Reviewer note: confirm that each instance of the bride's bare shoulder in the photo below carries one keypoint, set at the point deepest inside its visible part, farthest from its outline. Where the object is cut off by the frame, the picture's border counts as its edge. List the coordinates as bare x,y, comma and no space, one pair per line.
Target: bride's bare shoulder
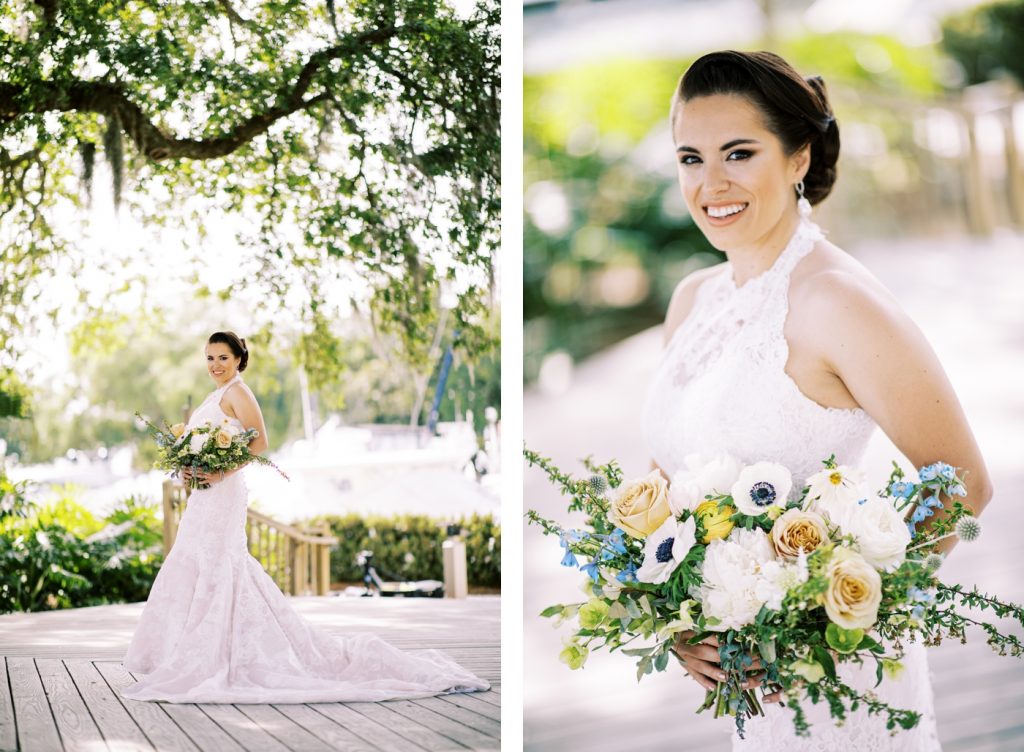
683,297
829,288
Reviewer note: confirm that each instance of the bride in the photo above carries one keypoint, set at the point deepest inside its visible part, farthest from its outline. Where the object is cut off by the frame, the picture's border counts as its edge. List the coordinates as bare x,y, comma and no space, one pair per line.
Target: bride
217,629
791,350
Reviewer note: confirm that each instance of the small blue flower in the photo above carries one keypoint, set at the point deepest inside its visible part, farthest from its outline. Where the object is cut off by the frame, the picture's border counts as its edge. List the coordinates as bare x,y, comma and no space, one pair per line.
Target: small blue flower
910,527
920,514
628,574
901,489
617,542
932,502
947,471
929,472
918,612
565,539
958,490
591,569
569,560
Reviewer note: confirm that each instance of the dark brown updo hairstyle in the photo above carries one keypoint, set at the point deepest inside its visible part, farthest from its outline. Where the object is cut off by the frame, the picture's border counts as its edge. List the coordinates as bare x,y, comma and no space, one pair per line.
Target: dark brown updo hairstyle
795,109
235,343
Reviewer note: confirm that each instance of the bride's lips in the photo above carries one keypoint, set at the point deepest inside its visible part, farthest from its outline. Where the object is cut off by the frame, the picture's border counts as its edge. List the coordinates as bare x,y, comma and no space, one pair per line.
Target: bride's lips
728,220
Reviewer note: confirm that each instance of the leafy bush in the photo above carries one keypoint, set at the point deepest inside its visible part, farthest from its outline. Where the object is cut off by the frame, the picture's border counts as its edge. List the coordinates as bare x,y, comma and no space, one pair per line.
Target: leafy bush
986,41
408,547
62,556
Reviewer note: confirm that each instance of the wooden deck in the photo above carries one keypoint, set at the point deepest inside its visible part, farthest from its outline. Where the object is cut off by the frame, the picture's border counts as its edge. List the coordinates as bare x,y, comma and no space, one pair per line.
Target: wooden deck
60,672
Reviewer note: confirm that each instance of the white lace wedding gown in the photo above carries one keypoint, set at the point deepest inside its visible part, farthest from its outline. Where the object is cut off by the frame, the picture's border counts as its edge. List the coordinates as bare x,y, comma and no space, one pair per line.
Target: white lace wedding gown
722,386
217,629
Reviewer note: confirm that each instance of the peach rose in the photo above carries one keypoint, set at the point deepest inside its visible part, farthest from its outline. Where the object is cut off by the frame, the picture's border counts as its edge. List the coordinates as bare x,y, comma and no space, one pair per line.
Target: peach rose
796,530
854,590
641,506
223,439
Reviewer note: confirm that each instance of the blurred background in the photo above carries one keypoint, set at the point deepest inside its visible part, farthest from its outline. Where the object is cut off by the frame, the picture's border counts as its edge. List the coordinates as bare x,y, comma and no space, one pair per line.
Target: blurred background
930,197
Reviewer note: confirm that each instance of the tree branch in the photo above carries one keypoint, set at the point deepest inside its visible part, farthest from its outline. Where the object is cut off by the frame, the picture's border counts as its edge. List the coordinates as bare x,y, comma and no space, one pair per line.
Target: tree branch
153,142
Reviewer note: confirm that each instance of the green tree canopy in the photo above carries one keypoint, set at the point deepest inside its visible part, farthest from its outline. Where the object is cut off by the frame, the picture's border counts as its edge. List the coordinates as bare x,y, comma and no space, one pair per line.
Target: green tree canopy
358,139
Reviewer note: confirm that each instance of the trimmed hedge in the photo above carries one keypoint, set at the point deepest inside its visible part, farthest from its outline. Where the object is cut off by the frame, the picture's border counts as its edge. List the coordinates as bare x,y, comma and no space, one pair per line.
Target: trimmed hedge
408,547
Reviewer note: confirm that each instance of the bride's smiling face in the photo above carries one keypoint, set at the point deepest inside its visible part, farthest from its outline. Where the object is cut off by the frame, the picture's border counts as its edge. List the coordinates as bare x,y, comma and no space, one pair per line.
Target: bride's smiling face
221,363
734,174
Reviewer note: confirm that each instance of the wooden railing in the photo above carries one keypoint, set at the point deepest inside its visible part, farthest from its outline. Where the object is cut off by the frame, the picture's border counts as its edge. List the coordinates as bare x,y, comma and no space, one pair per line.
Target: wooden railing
298,560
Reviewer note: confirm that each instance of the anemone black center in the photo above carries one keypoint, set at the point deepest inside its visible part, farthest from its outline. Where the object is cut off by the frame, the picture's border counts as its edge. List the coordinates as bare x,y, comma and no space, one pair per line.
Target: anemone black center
762,493
664,552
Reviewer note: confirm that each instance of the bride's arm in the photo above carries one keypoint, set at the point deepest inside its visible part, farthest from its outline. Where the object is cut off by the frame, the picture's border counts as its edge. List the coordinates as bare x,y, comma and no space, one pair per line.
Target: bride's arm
243,405
868,341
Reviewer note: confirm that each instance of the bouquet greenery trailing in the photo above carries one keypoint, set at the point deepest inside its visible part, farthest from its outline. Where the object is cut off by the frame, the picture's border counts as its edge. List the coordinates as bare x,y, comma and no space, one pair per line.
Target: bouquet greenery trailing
207,447
803,579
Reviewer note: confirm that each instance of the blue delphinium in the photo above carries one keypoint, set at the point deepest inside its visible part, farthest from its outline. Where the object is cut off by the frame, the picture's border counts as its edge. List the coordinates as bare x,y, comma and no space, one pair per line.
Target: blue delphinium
628,574
565,539
901,489
591,570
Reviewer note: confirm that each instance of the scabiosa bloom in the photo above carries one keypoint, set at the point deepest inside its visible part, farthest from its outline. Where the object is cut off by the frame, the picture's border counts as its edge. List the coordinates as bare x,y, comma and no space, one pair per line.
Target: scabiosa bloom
665,548
760,486
968,528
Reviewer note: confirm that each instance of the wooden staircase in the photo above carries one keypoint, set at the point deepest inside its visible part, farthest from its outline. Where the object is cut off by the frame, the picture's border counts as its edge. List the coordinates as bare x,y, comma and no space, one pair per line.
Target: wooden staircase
299,560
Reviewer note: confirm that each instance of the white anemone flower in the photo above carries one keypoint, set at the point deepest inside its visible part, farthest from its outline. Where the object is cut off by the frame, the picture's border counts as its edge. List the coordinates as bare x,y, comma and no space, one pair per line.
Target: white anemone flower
761,486
701,477
665,548
833,490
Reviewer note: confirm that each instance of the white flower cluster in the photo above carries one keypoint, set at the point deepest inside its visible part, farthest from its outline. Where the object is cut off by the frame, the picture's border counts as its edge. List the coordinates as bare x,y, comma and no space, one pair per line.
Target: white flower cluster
741,574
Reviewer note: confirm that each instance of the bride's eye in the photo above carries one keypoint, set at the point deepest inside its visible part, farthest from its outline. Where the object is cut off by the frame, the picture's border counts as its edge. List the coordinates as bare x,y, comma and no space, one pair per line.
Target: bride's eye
689,159
740,154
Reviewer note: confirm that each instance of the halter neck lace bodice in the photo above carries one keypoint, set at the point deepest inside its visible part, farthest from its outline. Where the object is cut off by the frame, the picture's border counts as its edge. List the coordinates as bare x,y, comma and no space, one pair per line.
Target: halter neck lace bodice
722,386
210,411
722,383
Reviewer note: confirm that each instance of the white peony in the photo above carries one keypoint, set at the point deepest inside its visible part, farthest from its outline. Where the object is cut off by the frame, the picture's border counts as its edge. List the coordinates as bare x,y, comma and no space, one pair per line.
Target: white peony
700,478
665,548
761,486
197,442
832,491
880,531
736,584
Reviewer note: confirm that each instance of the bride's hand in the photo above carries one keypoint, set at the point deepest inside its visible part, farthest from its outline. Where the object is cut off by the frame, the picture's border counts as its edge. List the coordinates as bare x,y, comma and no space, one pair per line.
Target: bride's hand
702,662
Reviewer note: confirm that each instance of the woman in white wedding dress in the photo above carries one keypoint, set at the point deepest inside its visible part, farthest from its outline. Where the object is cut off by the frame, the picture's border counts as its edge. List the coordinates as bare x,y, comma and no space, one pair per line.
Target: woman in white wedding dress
791,350
216,629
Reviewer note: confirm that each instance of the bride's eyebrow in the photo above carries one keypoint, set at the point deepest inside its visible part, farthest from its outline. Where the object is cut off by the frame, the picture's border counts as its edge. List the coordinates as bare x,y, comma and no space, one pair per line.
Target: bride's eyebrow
723,147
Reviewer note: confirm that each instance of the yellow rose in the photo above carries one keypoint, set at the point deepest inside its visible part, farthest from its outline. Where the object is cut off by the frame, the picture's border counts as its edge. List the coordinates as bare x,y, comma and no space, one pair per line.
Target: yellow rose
641,506
796,530
177,430
715,520
854,590
223,439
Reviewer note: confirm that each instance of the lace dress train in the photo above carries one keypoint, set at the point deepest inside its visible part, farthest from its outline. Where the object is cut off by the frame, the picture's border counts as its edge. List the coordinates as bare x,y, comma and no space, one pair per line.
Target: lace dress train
216,628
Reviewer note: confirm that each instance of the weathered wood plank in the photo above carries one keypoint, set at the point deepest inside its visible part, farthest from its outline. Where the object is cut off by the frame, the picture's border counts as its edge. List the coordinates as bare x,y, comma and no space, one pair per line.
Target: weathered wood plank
158,727
382,736
325,729
114,722
203,732
475,703
37,729
386,715
77,729
467,717
284,728
490,696
241,728
448,723
8,727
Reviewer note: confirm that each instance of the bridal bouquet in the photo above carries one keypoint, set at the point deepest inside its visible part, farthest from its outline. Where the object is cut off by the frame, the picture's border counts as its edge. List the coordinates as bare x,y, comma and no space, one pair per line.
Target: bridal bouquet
803,579
207,447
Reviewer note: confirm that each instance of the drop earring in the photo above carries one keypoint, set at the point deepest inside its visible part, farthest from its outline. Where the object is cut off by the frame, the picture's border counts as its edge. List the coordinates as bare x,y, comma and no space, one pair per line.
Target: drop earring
803,206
